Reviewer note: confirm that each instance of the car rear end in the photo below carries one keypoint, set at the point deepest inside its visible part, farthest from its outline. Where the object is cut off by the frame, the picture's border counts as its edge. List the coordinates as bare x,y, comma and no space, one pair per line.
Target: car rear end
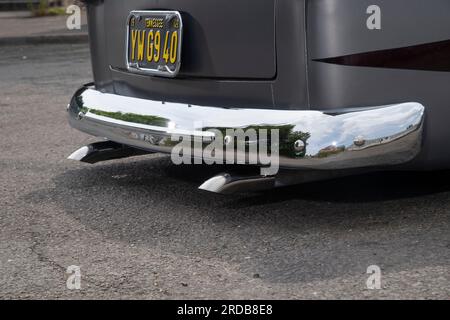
237,64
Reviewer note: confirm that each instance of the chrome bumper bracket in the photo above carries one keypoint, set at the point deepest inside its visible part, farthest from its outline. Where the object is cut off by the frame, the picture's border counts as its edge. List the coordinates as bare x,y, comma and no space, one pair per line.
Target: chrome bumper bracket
103,151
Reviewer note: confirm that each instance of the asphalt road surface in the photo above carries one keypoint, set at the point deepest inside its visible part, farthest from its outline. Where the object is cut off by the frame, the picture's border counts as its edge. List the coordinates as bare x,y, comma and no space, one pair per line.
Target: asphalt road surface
139,228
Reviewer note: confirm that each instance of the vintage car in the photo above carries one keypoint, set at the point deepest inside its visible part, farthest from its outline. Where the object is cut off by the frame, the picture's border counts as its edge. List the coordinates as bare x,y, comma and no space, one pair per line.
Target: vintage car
351,85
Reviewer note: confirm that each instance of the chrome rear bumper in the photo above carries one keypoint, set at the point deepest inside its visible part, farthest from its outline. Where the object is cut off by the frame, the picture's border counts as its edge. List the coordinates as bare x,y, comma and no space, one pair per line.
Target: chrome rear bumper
370,137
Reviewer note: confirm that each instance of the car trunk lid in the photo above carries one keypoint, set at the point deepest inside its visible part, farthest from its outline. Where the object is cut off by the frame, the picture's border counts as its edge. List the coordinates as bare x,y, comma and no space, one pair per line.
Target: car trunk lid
224,39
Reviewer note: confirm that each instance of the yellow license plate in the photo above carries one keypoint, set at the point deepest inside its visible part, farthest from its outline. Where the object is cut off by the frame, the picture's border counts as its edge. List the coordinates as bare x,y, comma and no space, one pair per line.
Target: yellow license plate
154,42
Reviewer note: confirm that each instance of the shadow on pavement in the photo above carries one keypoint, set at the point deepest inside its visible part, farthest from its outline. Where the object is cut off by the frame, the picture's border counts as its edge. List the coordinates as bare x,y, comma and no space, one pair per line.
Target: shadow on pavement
307,232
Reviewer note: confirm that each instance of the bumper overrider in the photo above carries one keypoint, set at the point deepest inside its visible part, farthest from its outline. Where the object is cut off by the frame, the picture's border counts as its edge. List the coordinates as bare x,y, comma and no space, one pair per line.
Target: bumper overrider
333,140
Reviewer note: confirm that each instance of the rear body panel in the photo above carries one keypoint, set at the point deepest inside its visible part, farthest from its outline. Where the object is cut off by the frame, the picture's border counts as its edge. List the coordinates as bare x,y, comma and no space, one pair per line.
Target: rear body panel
337,28
236,53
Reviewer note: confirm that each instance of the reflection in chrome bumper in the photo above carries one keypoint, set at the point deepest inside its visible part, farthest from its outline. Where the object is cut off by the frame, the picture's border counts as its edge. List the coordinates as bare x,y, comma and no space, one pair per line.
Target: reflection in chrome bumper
363,138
